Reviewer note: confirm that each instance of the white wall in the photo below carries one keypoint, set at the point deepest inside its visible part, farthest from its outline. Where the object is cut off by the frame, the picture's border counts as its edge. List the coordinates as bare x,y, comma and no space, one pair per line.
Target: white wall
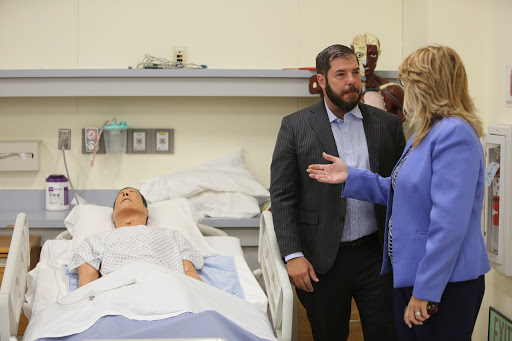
228,34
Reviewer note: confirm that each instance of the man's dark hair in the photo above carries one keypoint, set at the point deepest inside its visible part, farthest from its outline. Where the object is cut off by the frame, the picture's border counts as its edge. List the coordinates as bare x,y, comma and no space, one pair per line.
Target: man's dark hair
324,58
144,202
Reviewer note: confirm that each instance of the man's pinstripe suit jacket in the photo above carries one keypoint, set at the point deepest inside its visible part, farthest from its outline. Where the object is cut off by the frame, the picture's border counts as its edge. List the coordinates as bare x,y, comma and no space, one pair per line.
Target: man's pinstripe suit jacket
309,216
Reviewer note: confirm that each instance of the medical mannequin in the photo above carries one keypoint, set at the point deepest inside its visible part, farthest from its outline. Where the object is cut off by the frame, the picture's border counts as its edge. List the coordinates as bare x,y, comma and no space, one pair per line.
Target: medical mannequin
377,91
130,210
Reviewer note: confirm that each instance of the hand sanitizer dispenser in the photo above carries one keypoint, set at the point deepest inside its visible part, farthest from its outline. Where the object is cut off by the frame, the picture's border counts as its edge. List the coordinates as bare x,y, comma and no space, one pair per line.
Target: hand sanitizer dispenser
496,219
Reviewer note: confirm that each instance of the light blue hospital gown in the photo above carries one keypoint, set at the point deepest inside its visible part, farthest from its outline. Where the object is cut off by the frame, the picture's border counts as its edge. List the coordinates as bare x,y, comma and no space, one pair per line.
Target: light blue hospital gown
111,250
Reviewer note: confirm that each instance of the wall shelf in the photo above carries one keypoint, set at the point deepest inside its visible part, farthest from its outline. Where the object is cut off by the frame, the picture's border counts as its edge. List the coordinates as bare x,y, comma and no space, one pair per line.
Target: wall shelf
143,82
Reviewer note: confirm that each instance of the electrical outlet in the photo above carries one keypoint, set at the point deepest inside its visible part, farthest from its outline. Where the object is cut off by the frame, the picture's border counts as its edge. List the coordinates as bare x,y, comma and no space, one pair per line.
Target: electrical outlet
65,139
179,54
162,141
91,138
139,140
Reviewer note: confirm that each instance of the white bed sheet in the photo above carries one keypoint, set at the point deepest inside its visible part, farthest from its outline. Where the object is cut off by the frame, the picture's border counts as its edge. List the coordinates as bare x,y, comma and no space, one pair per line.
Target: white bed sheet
166,293
48,282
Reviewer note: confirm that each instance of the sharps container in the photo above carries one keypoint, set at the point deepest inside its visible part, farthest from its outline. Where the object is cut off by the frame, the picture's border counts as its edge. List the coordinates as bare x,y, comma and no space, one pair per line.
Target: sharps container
57,193
115,137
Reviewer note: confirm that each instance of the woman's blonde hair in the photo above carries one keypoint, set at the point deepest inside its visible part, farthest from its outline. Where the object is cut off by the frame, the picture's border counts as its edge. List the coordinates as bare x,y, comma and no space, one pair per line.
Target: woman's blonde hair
436,86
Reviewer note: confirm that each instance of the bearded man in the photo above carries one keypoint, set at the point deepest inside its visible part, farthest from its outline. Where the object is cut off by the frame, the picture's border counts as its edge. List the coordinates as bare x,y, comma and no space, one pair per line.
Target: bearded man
333,246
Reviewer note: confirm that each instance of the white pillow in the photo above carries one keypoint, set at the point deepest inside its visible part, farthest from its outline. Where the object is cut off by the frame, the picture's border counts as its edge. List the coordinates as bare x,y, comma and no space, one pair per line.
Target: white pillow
180,215
225,204
84,220
226,174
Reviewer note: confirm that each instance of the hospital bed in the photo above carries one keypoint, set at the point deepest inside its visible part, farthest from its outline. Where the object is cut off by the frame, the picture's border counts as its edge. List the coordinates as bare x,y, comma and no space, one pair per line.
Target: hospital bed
279,293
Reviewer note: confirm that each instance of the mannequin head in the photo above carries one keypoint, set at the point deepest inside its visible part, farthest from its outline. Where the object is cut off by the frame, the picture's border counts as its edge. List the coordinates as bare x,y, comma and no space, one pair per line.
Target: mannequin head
367,49
130,208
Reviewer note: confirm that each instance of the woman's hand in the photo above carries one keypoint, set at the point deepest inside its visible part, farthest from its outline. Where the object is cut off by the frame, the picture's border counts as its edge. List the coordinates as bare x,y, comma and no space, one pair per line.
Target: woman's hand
416,312
334,173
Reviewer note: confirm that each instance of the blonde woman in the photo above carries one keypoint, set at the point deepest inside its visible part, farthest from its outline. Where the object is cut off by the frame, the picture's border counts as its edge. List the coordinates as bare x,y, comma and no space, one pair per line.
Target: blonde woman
433,242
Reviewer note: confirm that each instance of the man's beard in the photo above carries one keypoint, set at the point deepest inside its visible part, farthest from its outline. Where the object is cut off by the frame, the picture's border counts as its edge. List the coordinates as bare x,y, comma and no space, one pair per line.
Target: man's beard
338,100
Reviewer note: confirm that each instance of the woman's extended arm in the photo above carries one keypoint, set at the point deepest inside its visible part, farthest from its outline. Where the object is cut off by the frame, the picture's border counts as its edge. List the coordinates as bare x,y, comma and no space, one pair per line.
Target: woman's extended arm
87,274
189,269
361,184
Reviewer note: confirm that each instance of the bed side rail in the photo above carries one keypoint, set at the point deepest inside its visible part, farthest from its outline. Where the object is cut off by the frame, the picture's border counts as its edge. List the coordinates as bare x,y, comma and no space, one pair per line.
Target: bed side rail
12,291
275,277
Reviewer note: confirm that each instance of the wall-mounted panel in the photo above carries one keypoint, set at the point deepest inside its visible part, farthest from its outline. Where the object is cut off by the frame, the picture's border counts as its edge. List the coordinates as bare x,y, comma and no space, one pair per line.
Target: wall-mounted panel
19,155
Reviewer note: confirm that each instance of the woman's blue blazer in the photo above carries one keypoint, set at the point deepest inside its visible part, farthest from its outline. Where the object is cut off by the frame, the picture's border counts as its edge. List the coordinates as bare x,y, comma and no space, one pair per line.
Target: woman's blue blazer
436,208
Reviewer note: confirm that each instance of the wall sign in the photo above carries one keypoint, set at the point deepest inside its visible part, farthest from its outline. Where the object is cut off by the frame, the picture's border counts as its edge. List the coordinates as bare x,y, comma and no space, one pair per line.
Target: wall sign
500,327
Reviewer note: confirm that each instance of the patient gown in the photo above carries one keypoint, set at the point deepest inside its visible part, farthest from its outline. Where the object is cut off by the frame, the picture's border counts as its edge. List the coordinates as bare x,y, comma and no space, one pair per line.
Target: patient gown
111,250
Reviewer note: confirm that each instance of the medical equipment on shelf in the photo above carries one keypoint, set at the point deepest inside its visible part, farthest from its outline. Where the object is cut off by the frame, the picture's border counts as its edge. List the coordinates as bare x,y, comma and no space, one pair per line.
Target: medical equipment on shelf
151,62
496,217
57,193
